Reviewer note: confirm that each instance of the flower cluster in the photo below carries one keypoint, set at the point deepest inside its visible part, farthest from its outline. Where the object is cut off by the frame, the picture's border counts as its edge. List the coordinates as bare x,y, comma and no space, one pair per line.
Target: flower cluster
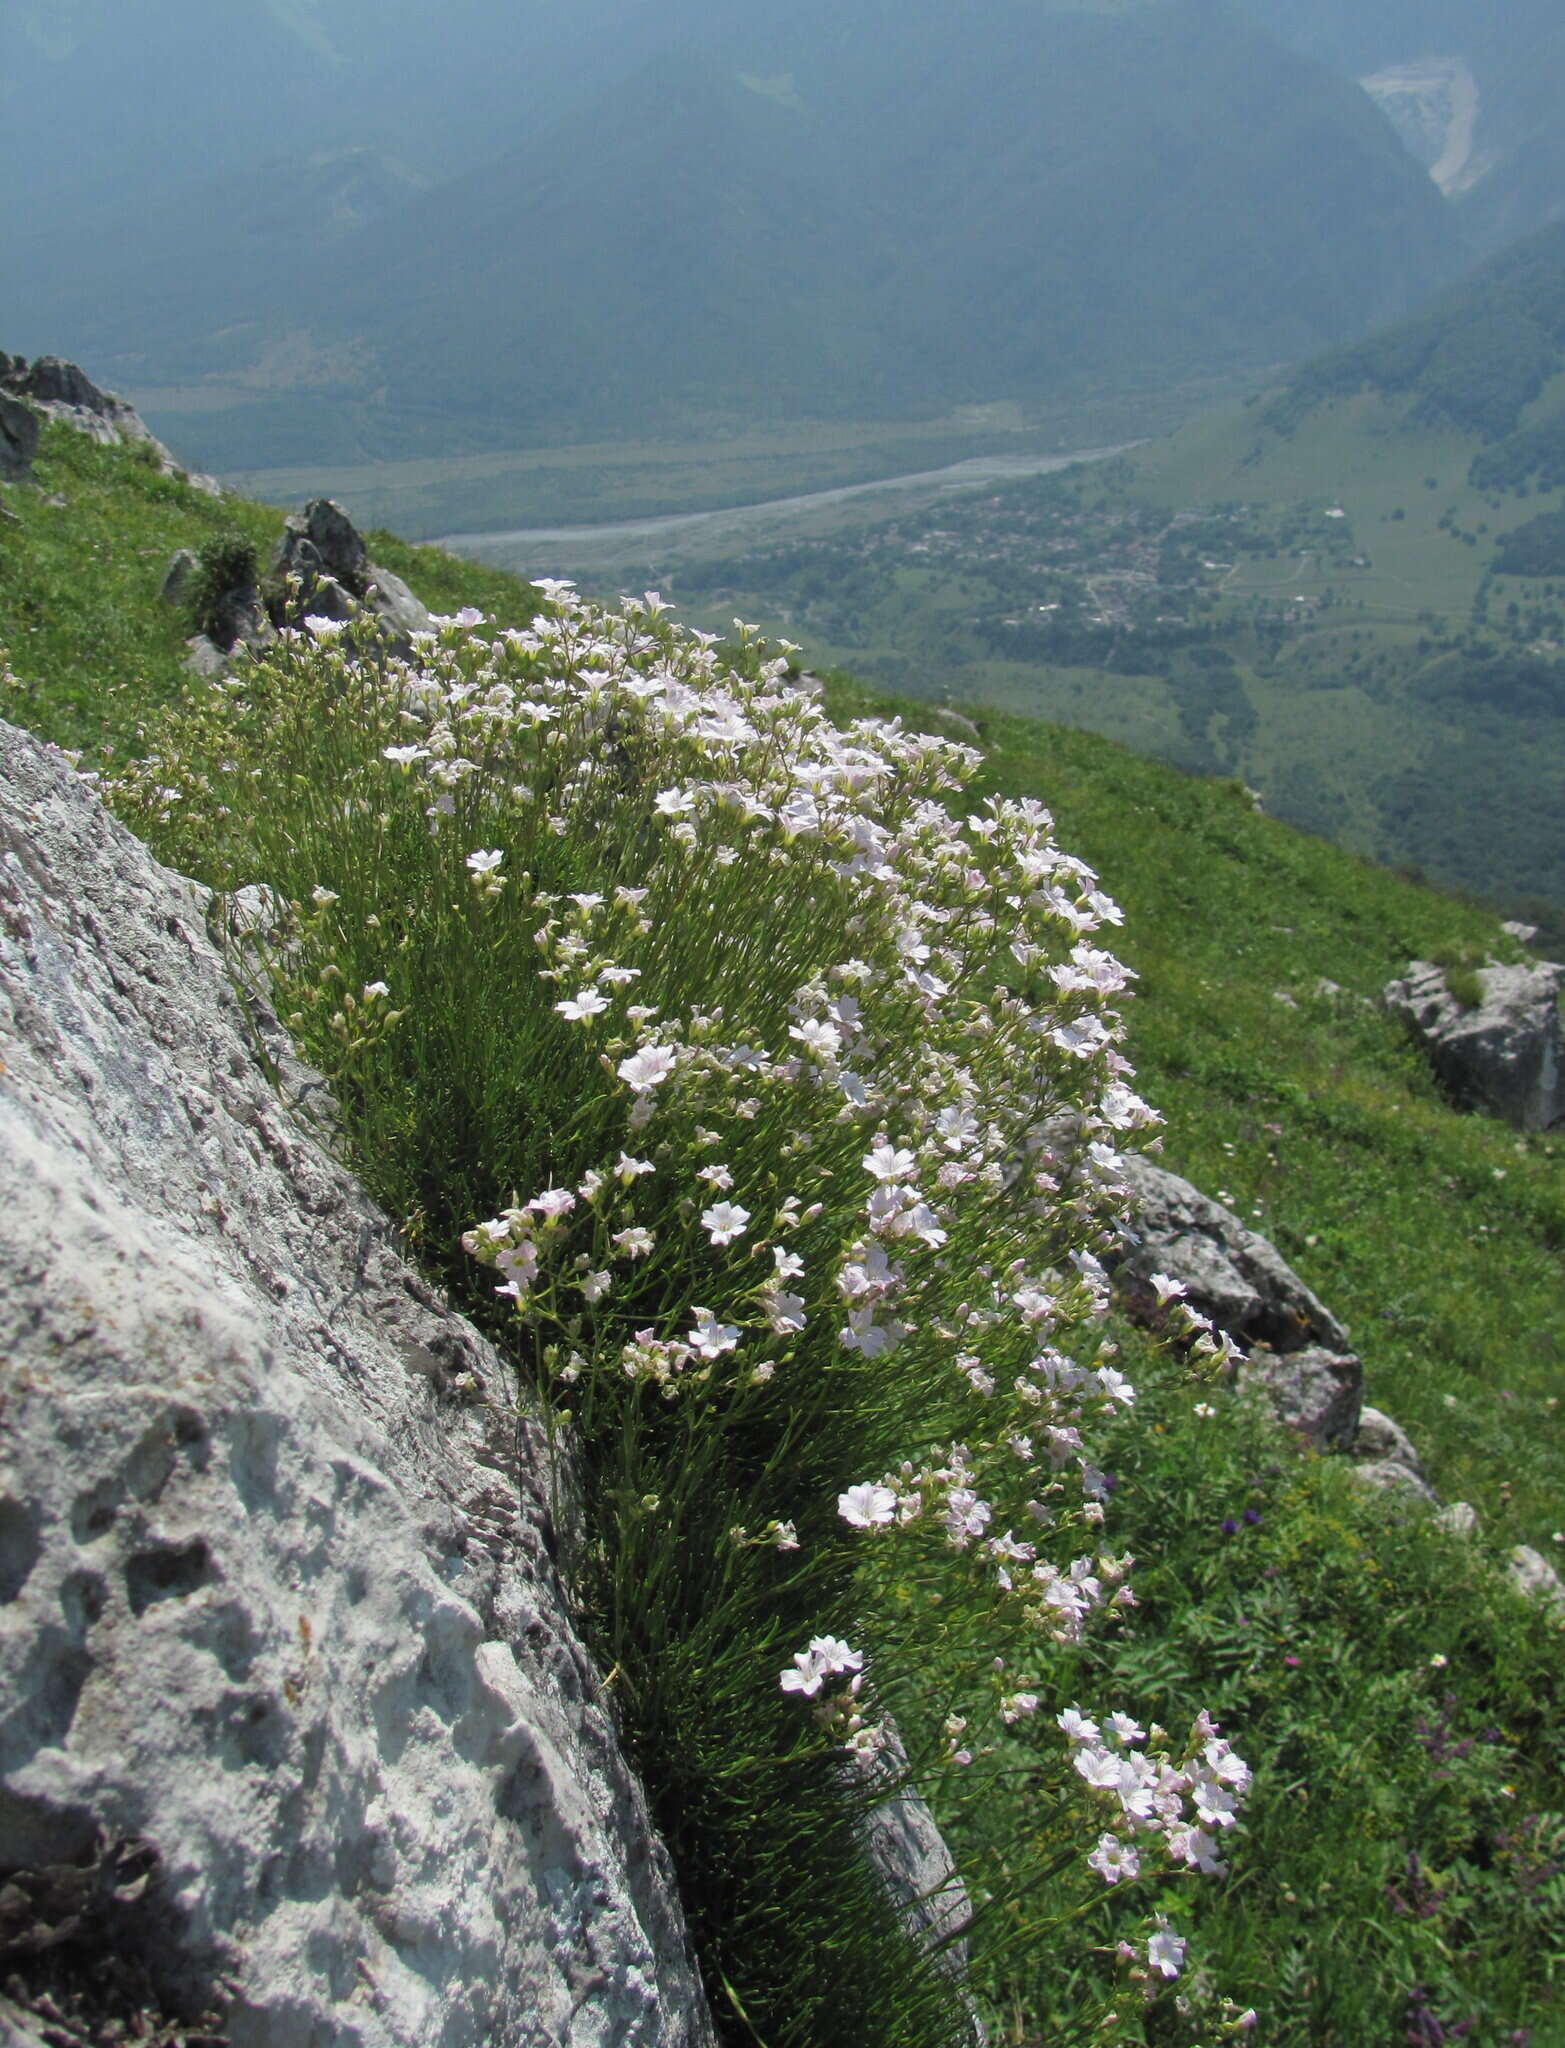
1152,1791
846,1092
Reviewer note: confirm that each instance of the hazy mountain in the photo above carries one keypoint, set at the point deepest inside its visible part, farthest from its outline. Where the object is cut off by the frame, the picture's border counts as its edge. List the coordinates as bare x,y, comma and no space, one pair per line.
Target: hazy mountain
747,212
1486,357
1473,88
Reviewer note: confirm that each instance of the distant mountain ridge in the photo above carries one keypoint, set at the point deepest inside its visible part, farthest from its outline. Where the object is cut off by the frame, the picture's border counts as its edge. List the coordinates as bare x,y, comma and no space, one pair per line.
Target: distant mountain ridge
864,212
1505,171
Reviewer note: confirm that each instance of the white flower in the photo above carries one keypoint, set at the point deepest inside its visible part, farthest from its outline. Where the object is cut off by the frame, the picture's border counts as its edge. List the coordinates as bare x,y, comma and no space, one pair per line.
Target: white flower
785,1312
1076,1726
404,758
717,1177
824,1041
1126,1729
725,1221
827,1657
867,1507
710,1337
634,1243
596,1285
553,1202
323,897
586,1003
485,863
1113,1859
632,1169
648,1068
1166,1951
888,1163
789,1264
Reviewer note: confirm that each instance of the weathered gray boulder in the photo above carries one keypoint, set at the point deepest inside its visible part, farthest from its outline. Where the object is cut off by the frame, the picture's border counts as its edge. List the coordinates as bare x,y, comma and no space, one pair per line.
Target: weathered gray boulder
1314,1392
62,391
1532,1575
321,568
280,1637
59,390
1460,1518
19,431
1232,1274
1385,1455
1506,1055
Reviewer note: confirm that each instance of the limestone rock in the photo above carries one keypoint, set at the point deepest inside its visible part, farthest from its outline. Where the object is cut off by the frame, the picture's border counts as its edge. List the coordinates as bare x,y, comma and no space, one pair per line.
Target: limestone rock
1506,1055
19,431
323,541
205,657
1234,1275
276,1598
1386,1456
1380,1441
1393,1475
1315,1392
322,568
62,391
1532,1574
1460,1518
396,604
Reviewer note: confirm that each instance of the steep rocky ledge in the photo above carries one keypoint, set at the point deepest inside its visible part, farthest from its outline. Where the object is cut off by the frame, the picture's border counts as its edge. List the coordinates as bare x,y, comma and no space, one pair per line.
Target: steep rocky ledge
297,1743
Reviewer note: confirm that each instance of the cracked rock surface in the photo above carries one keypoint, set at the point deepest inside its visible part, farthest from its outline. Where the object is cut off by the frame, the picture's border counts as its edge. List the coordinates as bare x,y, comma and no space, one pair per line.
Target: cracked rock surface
1507,1055
276,1601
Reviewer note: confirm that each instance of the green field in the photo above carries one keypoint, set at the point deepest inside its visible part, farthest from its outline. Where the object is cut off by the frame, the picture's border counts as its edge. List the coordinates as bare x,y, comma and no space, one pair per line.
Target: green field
1382,685
587,482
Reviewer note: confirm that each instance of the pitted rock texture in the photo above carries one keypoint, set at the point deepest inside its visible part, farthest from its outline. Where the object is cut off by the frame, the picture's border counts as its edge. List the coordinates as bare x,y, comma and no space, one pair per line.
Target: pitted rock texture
1316,1393
1234,1275
1507,1056
276,1599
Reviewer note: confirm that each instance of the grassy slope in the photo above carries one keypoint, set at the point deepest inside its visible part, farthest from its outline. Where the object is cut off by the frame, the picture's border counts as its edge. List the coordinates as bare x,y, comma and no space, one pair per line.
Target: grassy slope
1437,1238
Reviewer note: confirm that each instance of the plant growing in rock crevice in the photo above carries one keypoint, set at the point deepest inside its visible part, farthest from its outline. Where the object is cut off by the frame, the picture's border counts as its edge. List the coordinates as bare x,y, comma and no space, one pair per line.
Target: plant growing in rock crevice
779,1088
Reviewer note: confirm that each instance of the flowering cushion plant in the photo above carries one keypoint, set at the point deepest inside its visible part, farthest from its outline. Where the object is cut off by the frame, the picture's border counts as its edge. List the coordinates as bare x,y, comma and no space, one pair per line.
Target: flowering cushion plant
798,1075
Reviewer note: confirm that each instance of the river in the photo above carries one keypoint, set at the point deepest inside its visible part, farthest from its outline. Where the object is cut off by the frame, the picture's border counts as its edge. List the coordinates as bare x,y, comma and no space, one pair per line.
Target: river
574,550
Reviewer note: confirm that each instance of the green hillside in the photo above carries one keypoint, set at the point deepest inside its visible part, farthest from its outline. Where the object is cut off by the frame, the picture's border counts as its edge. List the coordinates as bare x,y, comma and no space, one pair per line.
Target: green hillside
1404,1713
1350,593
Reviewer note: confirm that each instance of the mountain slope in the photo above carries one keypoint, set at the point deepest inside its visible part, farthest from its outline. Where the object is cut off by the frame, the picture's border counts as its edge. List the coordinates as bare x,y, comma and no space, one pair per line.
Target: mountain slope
871,212
1266,1574
1474,89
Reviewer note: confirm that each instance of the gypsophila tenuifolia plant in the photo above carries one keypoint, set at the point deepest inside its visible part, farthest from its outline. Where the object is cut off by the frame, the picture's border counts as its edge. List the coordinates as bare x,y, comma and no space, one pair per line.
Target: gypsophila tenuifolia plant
776,1088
